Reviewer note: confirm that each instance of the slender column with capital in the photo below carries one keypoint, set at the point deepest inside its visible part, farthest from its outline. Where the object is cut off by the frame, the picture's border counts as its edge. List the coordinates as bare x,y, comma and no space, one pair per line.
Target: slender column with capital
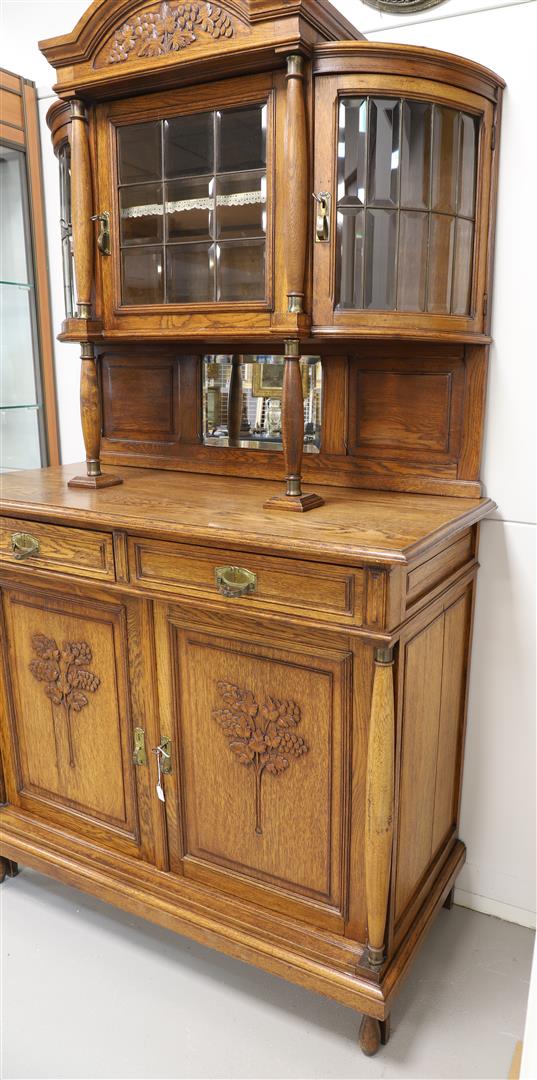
90,415
293,437
81,208
296,156
379,805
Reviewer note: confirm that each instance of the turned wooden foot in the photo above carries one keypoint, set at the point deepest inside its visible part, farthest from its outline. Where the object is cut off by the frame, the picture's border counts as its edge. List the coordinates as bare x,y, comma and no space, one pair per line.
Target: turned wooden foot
8,868
369,1037
449,901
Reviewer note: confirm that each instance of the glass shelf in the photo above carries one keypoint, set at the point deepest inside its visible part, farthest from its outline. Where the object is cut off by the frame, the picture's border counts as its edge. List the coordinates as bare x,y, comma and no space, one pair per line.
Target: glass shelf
9,408
18,284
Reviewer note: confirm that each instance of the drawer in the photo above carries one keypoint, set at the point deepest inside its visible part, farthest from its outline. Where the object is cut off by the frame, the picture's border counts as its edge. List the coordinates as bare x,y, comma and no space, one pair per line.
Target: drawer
333,593
77,551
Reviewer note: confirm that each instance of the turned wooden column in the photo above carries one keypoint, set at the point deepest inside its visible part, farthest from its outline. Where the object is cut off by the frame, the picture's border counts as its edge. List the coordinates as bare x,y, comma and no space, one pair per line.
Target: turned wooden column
379,805
234,402
91,416
293,437
81,209
296,156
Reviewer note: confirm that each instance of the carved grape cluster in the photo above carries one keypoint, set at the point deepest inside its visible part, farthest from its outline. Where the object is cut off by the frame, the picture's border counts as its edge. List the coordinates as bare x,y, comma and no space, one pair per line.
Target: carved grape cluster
260,735
64,672
170,29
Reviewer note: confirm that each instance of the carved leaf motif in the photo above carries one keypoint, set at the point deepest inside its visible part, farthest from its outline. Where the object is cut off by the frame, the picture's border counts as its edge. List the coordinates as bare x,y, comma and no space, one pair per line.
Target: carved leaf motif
173,27
259,735
67,679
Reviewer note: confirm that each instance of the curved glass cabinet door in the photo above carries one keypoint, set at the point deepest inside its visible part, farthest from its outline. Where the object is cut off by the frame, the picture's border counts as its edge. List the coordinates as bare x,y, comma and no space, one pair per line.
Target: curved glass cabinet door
408,166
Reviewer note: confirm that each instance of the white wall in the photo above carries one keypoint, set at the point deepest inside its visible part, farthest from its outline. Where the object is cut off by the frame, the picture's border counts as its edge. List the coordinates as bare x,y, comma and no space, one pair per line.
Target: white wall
498,809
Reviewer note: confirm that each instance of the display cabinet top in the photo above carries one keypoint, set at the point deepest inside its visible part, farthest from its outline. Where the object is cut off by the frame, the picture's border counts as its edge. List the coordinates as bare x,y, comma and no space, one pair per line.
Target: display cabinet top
408,61
166,41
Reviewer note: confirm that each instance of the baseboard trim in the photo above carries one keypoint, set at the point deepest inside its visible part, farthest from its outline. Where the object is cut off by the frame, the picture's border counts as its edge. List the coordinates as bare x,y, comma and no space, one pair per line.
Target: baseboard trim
495,907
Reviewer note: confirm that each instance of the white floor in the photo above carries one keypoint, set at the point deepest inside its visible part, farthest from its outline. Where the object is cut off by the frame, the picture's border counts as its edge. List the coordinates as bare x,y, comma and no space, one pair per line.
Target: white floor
90,992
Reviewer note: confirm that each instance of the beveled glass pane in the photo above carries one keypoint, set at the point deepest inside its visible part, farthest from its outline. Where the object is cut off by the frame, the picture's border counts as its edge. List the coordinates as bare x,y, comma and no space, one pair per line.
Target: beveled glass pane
17,372
19,439
352,149
380,245
412,263
190,273
445,159
139,150
242,138
241,270
416,154
350,227
467,163
189,145
142,275
462,268
383,152
441,240
190,209
241,205
141,214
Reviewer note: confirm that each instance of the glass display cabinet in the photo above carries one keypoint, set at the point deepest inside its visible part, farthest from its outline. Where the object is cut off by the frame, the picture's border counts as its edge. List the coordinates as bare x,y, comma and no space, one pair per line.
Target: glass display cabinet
28,431
250,724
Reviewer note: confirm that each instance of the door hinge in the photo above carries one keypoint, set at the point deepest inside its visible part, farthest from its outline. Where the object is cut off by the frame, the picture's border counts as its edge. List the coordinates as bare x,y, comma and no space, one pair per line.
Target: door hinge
493,137
139,755
485,303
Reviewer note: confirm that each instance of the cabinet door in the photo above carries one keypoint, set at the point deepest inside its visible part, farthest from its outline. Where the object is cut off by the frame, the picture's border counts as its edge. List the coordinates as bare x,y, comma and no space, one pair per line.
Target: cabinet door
407,165
72,713
189,181
260,727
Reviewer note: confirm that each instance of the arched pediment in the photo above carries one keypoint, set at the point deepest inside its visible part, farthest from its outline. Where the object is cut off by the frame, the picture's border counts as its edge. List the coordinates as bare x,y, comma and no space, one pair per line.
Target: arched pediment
121,31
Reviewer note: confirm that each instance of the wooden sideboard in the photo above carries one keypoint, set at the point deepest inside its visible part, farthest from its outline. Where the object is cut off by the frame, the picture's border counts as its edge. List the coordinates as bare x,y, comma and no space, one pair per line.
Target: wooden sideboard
247,725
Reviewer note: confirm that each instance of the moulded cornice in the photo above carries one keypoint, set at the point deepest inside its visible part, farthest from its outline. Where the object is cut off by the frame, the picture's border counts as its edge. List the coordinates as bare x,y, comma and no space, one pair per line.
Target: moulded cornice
103,17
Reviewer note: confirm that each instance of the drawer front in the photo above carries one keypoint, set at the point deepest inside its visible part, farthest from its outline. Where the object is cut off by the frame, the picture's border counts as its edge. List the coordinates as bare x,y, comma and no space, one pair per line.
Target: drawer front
333,593
78,551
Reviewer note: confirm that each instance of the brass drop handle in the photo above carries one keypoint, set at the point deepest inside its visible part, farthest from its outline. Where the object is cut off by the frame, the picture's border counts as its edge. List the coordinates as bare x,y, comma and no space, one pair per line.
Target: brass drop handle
235,581
322,220
24,546
103,237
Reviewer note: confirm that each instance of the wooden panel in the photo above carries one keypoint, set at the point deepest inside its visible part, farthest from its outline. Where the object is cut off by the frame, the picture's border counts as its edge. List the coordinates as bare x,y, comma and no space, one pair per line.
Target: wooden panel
433,680
451,719
71,715
421,714
282,584
11,108
436,569
89,554
262,730
10,81
401,410
11,134
407,410
140,397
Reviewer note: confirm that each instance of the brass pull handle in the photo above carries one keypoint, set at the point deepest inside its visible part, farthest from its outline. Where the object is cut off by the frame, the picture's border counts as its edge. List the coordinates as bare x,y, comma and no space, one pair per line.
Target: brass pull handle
103,237
24,546
322,220
235,581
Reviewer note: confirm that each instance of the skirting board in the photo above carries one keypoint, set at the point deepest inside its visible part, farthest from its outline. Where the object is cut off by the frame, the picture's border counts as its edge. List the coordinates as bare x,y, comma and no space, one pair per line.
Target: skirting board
495,907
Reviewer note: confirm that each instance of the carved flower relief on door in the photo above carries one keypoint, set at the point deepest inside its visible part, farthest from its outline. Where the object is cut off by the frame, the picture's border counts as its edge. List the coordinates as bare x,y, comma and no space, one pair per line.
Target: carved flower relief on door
68,680
262,737
172,28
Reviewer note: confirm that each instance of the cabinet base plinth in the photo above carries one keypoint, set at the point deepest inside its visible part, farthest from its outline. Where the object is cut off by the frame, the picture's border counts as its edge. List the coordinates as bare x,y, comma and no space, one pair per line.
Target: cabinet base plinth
103,480
297,503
